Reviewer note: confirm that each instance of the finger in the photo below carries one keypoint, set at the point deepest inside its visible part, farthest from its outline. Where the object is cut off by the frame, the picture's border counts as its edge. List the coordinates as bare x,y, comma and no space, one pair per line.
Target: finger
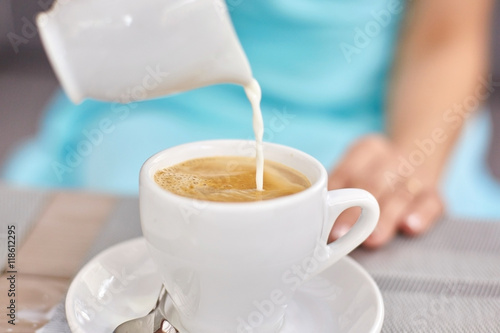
374,184
337,181
344,222
355,160
352,164
392,207
372,178
422,213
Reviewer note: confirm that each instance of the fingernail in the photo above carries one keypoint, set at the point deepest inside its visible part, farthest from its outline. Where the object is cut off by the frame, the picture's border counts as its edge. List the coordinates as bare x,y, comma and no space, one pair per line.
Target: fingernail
414,222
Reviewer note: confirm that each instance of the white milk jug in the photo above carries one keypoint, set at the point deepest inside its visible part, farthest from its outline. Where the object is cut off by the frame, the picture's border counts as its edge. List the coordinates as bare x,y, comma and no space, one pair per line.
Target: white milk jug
129,50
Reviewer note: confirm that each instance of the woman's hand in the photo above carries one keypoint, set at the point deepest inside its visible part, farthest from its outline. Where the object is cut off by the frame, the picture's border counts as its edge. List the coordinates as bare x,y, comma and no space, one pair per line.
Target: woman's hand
440,64
408,196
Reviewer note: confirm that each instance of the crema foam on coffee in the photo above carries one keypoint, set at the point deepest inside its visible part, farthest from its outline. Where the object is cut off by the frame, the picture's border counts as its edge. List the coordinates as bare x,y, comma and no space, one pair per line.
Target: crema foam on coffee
230,179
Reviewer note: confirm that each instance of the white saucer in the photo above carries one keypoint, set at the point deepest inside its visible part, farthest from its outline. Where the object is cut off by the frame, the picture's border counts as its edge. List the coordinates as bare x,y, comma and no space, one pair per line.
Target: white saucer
121,283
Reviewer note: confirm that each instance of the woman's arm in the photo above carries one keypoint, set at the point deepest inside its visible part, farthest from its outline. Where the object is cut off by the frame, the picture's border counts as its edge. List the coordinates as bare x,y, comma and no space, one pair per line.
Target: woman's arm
439,78
439,75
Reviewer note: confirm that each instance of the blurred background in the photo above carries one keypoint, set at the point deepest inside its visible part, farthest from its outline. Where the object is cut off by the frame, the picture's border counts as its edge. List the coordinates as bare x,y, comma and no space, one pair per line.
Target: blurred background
27,81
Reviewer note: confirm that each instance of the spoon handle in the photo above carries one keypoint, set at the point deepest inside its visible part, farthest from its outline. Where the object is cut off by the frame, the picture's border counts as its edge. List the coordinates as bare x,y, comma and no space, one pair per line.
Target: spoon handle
154,321
166,327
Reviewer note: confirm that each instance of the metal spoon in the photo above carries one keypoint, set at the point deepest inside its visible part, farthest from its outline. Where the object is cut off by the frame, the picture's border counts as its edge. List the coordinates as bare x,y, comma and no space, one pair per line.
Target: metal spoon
153,322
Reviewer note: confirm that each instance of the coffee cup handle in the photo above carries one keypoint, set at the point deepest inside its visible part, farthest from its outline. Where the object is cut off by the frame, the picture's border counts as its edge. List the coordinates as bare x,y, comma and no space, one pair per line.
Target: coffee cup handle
337,201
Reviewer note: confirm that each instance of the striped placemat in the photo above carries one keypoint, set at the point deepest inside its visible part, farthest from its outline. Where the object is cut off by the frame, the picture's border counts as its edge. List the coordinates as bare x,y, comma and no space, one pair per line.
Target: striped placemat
445,281
20,208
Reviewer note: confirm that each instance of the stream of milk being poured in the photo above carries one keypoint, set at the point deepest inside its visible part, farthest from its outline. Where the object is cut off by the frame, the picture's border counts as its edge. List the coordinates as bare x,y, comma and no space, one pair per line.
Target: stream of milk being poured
254,95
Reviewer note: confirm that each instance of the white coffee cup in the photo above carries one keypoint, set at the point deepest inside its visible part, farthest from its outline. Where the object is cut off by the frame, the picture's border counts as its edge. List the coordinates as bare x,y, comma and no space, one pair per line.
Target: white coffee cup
234,267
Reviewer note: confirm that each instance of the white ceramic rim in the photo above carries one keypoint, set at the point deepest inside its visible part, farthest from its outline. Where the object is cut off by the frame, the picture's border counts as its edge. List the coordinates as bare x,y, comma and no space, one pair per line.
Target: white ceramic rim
83,271
379,320
147,172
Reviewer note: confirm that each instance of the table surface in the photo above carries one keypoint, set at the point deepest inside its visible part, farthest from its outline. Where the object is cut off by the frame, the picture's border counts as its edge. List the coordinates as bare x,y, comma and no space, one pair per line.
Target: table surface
445,281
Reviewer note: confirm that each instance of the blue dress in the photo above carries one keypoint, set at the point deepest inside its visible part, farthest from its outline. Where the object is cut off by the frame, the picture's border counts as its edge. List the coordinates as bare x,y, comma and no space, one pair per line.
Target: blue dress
323,68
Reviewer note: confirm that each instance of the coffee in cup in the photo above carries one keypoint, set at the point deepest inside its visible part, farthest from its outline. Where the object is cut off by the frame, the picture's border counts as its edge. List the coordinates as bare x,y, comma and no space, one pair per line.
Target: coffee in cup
229,179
